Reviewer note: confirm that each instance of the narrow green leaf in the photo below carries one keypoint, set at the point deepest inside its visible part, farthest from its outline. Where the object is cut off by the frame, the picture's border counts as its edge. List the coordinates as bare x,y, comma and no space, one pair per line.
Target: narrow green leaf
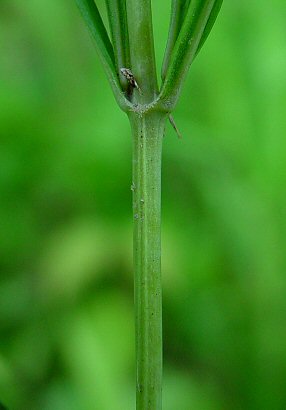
103,46
211,21
178,15
179,10
185,50
117,16
97,29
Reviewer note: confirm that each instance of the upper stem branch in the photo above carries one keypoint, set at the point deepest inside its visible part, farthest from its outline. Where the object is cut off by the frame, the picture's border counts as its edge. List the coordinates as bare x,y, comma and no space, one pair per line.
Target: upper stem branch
142,51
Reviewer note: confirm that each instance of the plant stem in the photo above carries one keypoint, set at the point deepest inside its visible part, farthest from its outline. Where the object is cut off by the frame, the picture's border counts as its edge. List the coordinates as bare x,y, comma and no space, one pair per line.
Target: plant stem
148,131
142,51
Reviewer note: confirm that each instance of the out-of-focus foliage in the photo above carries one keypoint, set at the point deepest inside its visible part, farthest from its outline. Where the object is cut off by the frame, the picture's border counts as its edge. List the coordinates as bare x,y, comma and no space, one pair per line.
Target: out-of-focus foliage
66,303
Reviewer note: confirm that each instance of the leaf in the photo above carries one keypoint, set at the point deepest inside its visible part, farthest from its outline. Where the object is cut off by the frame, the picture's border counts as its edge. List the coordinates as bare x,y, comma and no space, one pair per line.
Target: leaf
103,45
196,26
117,16
97,29
178,13
210,24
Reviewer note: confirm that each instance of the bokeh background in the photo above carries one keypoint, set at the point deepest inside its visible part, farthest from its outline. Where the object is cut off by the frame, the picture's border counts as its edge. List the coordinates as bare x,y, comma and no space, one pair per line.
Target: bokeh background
66,297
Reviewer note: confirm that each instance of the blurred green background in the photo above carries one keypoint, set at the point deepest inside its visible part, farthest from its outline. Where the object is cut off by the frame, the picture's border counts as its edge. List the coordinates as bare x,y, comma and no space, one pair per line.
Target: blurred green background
66,301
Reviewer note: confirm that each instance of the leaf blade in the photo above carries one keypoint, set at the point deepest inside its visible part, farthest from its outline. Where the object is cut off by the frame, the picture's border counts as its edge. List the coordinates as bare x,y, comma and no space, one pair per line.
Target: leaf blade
103,46
97,29
178,12
117,16
210,24
185,50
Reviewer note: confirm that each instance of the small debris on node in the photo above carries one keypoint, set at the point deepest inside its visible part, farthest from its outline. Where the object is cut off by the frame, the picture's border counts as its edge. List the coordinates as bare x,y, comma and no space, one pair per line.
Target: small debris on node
127,73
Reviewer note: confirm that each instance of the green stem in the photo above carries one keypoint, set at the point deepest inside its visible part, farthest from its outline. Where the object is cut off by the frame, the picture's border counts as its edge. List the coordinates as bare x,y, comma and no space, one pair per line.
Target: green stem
142,52
148,131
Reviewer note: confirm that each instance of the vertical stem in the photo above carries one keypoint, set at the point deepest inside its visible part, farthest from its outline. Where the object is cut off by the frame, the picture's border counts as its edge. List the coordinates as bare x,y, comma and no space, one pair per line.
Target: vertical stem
142,51
147,132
